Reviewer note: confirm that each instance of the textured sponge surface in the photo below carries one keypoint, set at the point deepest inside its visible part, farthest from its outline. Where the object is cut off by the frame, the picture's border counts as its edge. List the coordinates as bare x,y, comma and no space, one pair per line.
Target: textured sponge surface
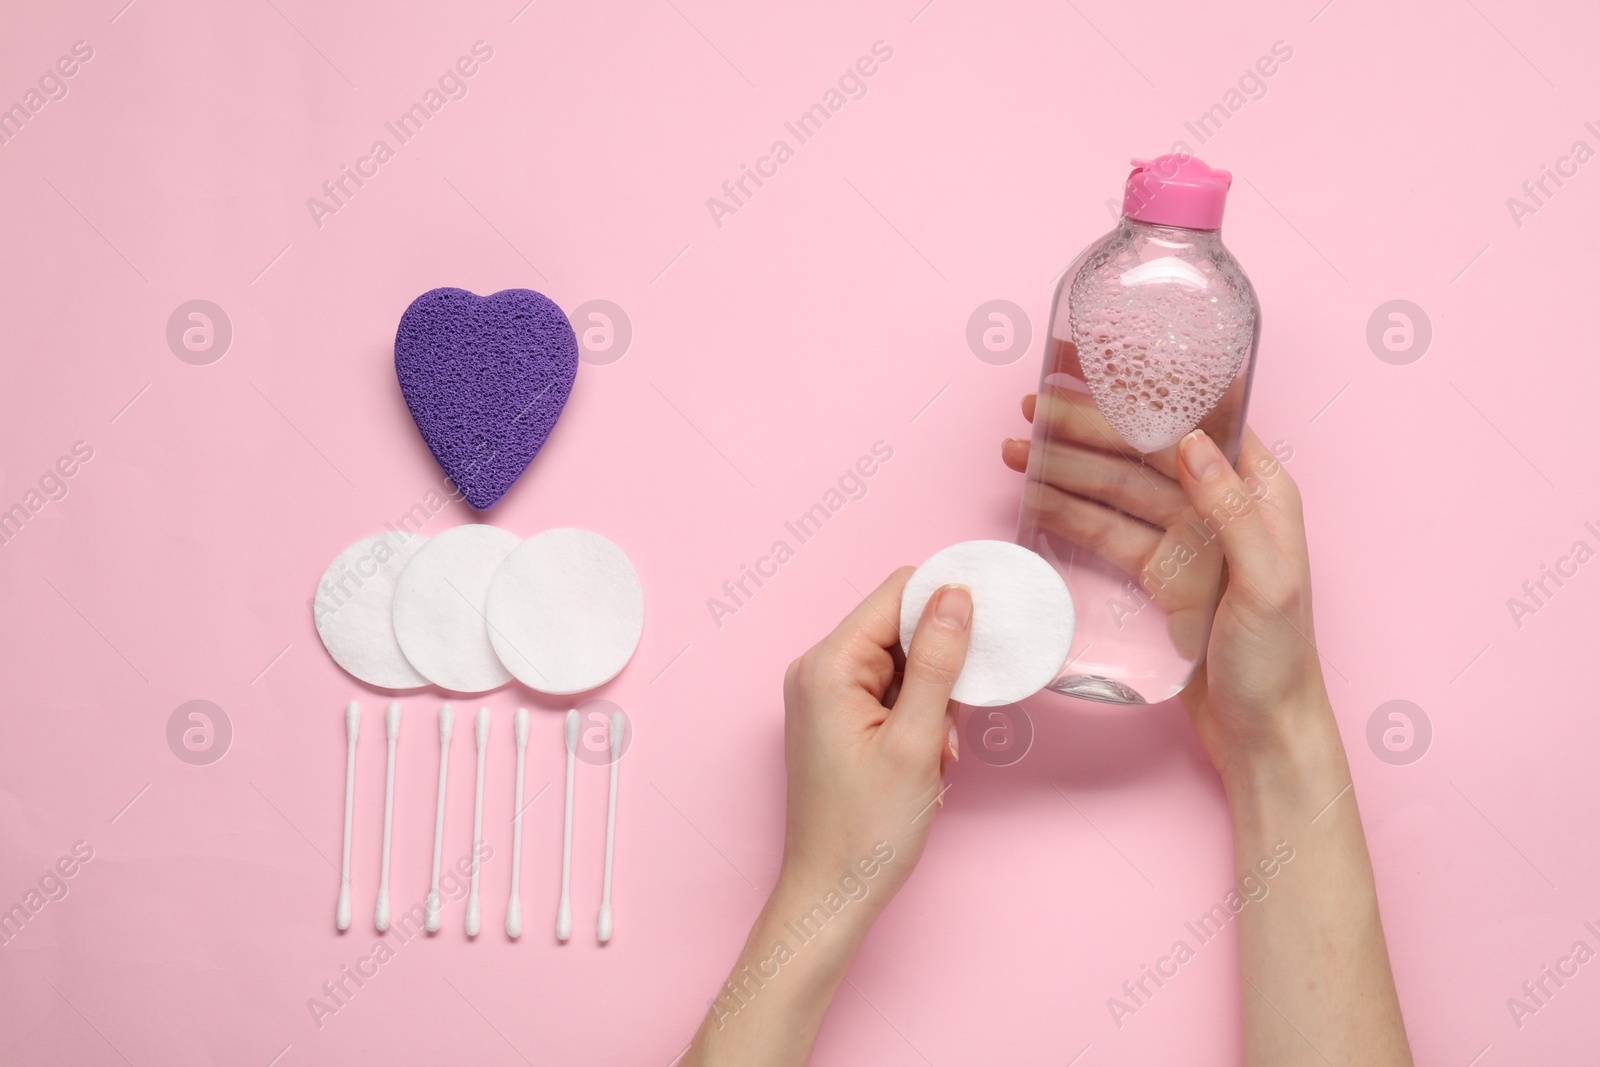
486,378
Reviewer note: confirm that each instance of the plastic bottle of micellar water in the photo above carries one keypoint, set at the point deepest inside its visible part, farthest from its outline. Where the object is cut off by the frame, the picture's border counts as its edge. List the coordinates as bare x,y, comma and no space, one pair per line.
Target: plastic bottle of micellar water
1153,333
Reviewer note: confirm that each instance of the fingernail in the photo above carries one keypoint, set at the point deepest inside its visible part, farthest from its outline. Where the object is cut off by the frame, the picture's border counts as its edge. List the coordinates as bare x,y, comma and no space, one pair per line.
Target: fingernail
955,744
1200,455
954,606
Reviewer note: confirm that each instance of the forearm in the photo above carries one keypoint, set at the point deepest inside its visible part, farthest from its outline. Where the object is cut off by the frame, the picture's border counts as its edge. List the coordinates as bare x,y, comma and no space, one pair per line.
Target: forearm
1315,983
772,1006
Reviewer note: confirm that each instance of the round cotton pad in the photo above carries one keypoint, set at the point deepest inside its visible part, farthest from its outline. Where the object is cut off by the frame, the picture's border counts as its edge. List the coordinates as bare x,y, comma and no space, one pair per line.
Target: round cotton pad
438,608
565,611
354,610
1022,618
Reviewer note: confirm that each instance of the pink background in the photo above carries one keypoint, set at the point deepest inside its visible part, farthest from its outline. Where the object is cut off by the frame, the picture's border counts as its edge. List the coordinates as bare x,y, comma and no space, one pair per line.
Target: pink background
768,354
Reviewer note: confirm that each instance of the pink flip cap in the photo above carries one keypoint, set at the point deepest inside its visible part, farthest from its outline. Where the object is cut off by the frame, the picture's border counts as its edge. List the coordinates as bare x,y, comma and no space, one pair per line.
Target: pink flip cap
1176,190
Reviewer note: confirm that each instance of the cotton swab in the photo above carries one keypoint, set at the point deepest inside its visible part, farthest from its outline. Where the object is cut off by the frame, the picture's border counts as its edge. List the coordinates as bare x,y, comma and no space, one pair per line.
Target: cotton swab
617,726
477,823
514,908
564,912
447,719
352,728
380,917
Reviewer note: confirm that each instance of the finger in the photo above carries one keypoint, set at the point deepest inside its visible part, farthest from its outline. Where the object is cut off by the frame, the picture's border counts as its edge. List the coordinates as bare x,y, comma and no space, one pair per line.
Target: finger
938,651
897,671
1070,415
1226,505
1132,488
876,620
1125,542
1076,420
1261,467
1014,453
1073,415
855,654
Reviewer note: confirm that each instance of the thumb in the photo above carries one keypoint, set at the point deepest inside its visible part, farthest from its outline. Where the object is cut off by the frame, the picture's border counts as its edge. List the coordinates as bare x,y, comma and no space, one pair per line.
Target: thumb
938,651
1227,505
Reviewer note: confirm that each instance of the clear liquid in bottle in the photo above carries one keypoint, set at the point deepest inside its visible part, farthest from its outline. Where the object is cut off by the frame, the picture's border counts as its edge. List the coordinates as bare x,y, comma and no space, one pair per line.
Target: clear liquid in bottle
1153,333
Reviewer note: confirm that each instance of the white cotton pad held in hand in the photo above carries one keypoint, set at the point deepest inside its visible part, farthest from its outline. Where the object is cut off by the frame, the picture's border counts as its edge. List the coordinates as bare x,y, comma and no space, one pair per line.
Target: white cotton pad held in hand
1022,618
354,610
438,608
565,611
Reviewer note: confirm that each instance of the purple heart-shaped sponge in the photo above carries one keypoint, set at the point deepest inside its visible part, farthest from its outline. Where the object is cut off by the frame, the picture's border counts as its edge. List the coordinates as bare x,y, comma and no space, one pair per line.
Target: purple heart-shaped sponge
485,378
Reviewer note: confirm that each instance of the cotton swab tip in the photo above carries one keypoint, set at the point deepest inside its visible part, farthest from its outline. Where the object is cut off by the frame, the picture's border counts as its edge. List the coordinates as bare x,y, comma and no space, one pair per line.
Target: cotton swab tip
605,923
472,917
564,921
522,727
380,917
514,918
342,916
352,720
447,723
483,727
572,730
391,719
618,725
431,919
